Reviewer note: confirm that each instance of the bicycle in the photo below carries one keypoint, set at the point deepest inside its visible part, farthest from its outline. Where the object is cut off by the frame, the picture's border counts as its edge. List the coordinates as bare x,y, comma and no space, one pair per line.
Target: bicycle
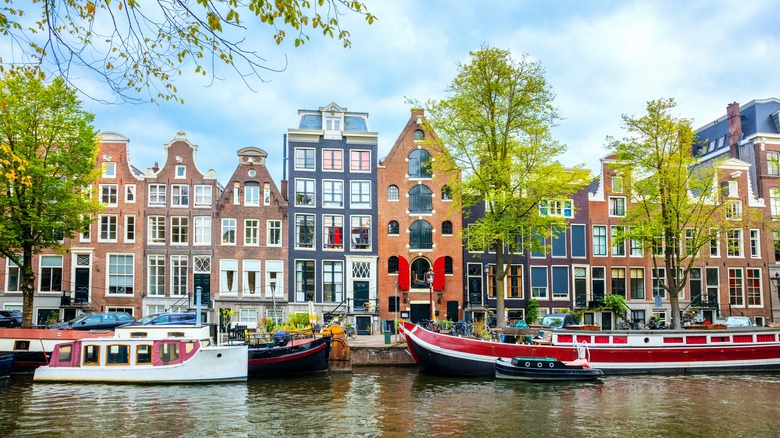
350,332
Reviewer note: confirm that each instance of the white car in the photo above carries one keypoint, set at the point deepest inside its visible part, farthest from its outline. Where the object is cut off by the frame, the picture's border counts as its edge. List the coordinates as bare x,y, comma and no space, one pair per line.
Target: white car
738,321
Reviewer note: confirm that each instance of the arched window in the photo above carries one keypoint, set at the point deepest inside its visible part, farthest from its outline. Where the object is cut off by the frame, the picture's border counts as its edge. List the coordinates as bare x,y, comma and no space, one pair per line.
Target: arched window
420,199
446,228
447,265
392,193
392,228
446,193
419,164
419,135
392,265
417,270
420,235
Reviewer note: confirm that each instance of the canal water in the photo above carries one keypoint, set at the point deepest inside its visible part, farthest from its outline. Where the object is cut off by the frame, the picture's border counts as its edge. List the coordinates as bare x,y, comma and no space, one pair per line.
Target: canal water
399,402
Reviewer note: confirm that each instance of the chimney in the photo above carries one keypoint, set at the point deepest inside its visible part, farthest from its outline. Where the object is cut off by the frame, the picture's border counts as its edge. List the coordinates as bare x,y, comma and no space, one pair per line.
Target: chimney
156,167
735,128
284,190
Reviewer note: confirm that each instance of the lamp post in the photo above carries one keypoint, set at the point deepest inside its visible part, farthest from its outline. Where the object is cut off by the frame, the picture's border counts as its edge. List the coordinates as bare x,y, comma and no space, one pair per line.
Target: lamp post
429,279
776,282
198,291
272,286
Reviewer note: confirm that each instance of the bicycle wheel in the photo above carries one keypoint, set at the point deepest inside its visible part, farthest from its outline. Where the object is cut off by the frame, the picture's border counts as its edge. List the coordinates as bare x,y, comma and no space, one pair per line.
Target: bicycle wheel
352,333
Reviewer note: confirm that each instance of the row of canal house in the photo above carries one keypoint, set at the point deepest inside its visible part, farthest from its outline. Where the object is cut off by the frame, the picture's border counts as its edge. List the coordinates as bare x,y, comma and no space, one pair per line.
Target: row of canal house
349,233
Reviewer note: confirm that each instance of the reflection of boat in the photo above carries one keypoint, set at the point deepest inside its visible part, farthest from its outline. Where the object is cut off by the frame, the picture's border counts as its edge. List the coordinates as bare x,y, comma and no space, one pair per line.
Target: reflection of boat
614,352
548,369
33,347
147,354
295,356
6,364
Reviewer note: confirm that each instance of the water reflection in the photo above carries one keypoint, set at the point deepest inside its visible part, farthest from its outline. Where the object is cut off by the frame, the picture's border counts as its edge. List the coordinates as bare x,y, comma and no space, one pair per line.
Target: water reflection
398,401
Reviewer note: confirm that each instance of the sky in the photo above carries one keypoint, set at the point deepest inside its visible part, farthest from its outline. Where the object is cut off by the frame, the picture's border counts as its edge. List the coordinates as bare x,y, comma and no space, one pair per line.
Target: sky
601,58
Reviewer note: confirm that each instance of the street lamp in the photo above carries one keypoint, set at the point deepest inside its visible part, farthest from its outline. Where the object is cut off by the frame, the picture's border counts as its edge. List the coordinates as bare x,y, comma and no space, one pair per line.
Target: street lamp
776,282
198,291
429,279
273,297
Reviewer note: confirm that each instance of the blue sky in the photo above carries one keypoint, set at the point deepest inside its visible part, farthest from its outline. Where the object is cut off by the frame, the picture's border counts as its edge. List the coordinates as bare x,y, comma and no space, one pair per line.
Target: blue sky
602,59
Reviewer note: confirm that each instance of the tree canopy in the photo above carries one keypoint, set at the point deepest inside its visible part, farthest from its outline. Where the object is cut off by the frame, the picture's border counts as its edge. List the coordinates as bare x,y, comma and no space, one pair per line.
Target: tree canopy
141,47
48,151
494,133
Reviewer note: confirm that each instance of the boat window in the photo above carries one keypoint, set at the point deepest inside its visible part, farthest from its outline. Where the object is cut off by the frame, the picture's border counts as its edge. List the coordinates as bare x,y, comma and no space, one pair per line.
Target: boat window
188,347
138,334
22,345
552,321
169,352
175,334
143,354
65,352
118,355
91,355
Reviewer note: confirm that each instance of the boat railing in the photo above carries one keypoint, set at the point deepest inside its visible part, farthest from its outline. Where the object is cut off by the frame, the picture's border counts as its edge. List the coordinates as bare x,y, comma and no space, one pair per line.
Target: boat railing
258,339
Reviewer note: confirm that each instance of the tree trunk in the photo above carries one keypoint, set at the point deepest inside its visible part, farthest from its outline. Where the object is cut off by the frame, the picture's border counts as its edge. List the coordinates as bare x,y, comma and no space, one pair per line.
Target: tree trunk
499,274
27,283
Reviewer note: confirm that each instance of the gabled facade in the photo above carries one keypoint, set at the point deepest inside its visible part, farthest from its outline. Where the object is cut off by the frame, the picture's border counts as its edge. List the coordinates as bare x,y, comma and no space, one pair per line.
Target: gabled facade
250,246
332,194
418,231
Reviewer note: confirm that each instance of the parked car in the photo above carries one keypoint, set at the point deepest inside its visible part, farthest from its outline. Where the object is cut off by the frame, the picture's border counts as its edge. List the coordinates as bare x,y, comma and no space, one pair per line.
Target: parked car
560,320
738,321
167,319
10,318
96,321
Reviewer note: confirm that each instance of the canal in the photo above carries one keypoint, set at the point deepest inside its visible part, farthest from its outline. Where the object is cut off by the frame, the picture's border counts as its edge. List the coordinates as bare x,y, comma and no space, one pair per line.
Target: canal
375,401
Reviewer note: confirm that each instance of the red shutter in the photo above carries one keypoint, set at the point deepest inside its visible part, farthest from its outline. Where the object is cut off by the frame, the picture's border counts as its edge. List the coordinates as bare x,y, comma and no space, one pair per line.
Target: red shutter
403,273
438,270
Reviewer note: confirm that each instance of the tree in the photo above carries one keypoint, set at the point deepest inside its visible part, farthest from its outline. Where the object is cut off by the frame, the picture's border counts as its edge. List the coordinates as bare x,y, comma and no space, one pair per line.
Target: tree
48,151
495,140
676,209
135,47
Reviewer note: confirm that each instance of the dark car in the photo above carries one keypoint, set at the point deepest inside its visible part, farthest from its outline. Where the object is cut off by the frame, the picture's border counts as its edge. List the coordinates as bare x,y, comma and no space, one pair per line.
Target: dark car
96,321
167,319
10,318
560,320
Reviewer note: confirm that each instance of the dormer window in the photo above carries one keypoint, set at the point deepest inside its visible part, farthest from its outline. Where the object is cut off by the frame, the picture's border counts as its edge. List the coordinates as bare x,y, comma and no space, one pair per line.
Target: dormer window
419,135
109,170
617,184
333,123
181,171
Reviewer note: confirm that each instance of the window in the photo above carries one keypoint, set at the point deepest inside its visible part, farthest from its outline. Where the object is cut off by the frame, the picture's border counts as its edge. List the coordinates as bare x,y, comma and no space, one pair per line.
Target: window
156,274
392,265
578,247
393,228
130,193
556,207
448,265
659,277
251,232
91,352
109,170
129,228
538,282
332,193
157,195
120,274
228,231
690,242
714,242
599,240
332,281
774,203
266,193
753,286
558,246
332,159
419,164
617,184
360,161
252,194
392,193
274,237
514,280
156,229
181,171
618,280
274,280
108,227
755,243
228,273
446,228
180,195
333,123
617,206
618,245
773,163
637,283
420,235
203,196
108,194
247,316
304,192
180,229
420,199
304,279
360,194
733,210
637,248
252,282
419,135
598,282
304,159
179,275
446,193
304,231
360,232
332,231
202,230
736,288
51,273
560,282
14,277
734,242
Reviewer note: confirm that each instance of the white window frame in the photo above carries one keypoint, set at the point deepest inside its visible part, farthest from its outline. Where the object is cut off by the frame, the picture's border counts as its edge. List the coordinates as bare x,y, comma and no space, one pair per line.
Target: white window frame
109,169
252,232
155,271
113,228
203,196
109,192
130,224
179,237
226,266
157,230
273,232
364,198
202,235
300,157
359,151
130,194
177,264
228,224
157,195
251,268
180,199
113,273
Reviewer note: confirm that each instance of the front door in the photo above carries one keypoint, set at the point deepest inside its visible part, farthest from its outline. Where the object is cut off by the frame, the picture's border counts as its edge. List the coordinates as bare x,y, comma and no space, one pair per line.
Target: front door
419,312
81,285
606,321
360,293
203,281
452,311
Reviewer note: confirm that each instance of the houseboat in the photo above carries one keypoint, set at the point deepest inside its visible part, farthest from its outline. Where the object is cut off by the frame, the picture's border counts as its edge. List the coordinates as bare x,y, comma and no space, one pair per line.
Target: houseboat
32,347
